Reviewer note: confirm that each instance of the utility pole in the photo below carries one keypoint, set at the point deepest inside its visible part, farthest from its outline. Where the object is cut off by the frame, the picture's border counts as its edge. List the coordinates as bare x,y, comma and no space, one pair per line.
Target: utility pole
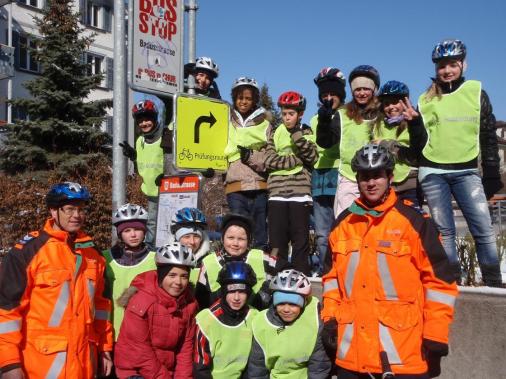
191,8
119,120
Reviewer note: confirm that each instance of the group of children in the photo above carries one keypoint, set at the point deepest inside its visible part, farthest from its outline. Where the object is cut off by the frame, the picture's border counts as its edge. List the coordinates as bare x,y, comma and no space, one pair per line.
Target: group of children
251,306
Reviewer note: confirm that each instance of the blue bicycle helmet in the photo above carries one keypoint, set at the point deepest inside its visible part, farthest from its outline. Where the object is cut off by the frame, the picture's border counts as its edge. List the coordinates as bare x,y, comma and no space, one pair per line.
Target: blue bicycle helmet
367,71
237,272
394,88
452,48
187,217
62,193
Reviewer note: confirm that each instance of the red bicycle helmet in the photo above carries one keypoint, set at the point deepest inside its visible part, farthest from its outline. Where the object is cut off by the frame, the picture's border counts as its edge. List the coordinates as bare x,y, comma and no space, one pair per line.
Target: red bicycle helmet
292,99
145,108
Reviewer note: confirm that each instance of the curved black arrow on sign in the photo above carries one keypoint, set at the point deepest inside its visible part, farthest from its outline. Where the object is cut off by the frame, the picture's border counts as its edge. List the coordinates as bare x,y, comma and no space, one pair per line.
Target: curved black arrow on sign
211,120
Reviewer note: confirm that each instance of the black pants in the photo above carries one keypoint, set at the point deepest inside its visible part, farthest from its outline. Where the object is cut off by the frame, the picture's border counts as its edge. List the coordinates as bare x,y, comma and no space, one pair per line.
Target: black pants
289,222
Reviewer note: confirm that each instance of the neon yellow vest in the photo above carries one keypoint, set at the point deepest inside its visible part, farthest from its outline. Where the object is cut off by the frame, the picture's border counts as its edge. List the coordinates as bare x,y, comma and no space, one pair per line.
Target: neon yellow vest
285,146
255,259
452,124
353,137
327,158
120,277
401,170
252,137
194,275
287,352
229,345
149,164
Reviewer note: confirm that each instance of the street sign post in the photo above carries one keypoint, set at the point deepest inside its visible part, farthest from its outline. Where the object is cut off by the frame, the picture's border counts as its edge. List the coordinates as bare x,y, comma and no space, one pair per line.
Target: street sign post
201,130
155,35
175,192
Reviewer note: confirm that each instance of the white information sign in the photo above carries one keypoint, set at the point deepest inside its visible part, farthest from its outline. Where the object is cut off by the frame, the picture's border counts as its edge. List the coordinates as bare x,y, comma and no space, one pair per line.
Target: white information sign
156,46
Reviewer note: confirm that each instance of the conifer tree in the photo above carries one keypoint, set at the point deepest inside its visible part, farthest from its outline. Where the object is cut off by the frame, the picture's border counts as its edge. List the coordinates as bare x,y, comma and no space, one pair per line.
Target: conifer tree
62,131
269,105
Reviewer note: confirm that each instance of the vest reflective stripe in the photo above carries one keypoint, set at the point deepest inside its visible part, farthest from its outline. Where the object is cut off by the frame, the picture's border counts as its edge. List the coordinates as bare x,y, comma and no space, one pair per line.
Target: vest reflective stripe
10,326
388,345
213,267
194,276
149,164
230,346
57,365
345,343
60,306
440,297
386,278
120,277
253,137
452,123
330,285
285,358
91,294
327,158
102,315
401,170
353,137
350,272
285,146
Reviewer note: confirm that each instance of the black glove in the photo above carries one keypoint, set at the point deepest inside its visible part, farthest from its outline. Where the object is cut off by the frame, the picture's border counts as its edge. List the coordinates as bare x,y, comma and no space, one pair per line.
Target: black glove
128,151
491,181
433,351
325,111
245,153
158,180
329,338
166,142
263,297
209,173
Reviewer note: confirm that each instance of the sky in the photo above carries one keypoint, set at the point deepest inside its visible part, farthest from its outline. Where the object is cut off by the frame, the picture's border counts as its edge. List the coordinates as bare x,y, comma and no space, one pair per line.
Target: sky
285,43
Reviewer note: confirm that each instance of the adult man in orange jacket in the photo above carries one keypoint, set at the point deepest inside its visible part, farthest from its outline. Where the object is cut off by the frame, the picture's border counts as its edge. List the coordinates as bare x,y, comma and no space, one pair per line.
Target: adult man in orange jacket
390,289
54,321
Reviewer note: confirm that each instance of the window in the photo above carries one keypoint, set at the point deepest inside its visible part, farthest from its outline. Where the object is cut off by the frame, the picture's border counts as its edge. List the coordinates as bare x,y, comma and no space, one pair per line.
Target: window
95,14
26,59
32,3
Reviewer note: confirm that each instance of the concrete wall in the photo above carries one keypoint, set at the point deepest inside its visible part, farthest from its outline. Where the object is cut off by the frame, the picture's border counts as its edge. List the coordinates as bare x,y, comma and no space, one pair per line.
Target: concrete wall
477,334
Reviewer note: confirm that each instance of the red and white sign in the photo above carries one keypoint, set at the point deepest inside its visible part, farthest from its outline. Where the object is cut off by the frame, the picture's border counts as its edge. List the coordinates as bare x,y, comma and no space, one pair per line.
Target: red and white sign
156,46
180,184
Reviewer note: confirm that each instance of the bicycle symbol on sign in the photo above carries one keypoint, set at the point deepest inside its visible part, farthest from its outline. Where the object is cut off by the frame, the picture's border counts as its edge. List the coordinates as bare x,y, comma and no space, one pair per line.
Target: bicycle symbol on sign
185,154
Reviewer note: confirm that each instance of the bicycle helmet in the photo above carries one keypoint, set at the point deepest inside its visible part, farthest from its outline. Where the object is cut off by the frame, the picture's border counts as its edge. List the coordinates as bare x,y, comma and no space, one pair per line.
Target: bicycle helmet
129,212
452,48
207,65
146,108
245,81
291,281
372,157
330,74
187,218
331,80
63,193
367,71
292,99
394,88
237,272
174,254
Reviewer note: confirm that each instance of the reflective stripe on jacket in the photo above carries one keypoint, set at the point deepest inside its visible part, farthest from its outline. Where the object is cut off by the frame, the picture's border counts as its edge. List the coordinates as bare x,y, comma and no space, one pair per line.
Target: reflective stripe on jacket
390,285
53,317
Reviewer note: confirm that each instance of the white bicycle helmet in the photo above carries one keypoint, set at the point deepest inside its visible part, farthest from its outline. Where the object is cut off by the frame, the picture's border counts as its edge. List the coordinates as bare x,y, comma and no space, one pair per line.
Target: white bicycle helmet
175,254
207,64
245,81
129,212
291,281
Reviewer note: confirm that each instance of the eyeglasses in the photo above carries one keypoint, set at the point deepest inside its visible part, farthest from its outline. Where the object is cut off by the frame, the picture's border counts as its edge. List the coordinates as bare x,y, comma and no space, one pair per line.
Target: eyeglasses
70,210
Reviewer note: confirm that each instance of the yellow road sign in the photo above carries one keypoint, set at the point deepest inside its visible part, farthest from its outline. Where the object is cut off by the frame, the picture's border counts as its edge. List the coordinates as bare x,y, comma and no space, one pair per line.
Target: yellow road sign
201,132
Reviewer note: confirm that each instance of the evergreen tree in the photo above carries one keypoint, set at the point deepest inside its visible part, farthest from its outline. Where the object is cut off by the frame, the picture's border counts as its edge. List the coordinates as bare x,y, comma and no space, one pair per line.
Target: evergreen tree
63,130
269,105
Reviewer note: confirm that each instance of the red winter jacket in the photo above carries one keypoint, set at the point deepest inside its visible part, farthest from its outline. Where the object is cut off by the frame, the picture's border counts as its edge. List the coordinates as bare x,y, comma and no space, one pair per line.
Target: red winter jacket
157,333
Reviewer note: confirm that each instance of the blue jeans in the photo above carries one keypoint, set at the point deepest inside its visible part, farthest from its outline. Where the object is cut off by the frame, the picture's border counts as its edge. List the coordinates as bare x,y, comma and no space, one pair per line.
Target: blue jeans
254,205
468,192
323,218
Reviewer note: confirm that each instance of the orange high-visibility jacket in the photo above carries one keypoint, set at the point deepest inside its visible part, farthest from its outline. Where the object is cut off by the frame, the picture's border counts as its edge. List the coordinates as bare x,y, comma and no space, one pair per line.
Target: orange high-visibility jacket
53,318
389,287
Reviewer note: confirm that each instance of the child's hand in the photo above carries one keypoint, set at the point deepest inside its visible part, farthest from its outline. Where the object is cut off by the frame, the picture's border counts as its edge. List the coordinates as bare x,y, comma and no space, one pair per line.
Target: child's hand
409,112
128,151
